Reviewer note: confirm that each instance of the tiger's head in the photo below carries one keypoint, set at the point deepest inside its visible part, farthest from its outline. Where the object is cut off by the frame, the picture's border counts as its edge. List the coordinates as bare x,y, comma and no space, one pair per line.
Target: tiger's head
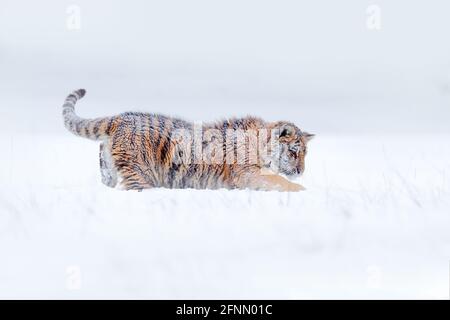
291,149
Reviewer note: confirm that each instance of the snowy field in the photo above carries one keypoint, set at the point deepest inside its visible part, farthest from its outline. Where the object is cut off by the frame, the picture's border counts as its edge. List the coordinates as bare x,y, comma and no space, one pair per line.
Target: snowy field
374,221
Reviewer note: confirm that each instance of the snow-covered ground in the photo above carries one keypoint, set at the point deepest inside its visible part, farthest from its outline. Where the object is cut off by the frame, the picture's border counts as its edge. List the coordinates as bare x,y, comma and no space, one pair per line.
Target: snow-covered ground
373,224
374,221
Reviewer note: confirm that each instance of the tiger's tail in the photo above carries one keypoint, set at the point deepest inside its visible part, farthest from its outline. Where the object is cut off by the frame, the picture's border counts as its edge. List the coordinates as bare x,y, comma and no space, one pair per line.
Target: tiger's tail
94,129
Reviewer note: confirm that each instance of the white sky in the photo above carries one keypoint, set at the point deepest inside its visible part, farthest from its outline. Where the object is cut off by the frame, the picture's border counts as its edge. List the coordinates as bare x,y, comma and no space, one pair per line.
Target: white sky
222,58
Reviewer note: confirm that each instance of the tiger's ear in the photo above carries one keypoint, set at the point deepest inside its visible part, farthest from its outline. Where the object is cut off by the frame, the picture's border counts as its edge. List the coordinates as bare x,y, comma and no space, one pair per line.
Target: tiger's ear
286,131
308,136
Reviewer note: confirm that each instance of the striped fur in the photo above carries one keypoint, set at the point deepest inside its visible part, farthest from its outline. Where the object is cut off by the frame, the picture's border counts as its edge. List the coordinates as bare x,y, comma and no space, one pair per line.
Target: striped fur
144,150
95,129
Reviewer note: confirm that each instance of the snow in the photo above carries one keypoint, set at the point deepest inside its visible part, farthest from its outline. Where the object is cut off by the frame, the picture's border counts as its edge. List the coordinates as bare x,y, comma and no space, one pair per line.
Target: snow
373,222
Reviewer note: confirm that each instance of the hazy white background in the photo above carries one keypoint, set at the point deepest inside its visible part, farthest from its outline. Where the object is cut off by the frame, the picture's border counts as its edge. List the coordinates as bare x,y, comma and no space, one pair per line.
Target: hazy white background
311,60
374,221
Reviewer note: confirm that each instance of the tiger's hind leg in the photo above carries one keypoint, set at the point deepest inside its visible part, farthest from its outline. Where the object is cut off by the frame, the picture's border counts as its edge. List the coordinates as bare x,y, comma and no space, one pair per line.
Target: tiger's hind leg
107,170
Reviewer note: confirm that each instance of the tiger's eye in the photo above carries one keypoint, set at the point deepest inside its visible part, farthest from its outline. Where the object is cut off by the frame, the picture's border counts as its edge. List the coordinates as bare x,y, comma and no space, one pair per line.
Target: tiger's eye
294,149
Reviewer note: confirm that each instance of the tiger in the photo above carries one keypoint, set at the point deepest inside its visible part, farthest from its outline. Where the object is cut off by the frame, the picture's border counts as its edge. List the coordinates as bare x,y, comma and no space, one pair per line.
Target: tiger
150,150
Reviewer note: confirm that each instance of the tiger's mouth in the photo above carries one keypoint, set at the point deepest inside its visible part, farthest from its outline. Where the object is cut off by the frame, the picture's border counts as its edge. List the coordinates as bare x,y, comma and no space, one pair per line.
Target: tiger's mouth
289,173
292,173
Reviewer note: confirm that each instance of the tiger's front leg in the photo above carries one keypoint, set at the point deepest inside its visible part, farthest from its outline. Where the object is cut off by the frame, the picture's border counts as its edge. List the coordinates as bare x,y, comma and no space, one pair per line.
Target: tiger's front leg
269,181
279,183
